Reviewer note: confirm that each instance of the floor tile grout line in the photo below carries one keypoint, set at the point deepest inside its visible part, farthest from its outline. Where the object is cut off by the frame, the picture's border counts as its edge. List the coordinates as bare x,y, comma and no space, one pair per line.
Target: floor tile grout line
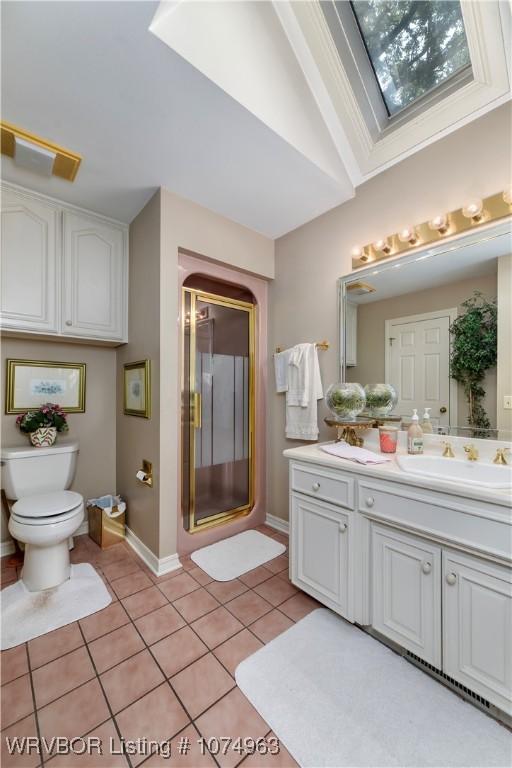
95,728
36,718
168,681
106,699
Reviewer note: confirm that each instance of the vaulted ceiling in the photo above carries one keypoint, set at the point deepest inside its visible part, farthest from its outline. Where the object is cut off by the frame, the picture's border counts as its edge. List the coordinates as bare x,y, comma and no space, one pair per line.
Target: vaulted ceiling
228,104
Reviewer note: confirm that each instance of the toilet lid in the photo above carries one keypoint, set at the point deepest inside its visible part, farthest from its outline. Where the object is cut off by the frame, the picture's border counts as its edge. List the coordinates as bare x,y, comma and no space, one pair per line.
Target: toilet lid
47,504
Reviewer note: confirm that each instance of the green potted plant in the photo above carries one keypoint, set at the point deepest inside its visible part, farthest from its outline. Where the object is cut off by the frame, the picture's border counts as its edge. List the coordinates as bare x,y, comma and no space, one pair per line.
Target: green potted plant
474,352
42,424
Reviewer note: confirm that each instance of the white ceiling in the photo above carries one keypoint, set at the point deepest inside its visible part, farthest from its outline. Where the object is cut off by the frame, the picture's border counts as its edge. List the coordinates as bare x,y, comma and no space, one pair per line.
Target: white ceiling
90,76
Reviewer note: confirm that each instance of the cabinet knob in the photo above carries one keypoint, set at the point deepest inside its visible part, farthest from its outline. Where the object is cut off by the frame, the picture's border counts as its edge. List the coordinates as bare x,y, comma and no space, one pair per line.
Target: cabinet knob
343,527
316,486
426,567
451,579
369,501
68,322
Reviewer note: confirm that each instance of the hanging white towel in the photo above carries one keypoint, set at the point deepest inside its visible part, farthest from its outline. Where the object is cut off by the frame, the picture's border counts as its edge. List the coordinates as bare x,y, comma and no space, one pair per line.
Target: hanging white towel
281,360
304,390
299,385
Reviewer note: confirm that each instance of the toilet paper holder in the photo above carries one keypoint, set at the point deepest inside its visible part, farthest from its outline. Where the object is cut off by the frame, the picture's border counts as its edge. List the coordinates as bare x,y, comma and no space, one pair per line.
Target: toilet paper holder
145,475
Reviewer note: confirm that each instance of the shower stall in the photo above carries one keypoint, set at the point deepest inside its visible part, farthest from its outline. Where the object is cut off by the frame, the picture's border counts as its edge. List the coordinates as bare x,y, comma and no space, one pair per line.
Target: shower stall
218,383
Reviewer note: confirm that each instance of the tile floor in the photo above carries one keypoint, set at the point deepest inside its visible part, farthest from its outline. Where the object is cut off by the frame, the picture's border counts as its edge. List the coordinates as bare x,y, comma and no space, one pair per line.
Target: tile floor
158,663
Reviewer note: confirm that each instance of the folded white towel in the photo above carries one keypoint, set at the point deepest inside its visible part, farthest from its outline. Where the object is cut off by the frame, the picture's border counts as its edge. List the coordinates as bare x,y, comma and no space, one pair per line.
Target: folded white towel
351,452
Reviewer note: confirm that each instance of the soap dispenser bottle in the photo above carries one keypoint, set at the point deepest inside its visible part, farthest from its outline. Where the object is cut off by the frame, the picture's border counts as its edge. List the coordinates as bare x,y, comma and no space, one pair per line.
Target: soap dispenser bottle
415,435
426,424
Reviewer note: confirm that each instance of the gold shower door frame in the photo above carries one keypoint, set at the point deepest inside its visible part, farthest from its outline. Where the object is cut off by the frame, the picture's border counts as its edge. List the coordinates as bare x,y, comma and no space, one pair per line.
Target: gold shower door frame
195,402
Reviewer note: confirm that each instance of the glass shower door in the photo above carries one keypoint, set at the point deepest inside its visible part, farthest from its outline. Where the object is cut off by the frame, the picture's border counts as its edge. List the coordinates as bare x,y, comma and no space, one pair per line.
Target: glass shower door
218,409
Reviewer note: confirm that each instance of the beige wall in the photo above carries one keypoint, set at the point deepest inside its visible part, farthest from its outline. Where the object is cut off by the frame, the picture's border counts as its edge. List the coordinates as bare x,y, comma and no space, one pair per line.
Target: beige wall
504,341
168,224
371,318
95,429
186,226
138,438
474,160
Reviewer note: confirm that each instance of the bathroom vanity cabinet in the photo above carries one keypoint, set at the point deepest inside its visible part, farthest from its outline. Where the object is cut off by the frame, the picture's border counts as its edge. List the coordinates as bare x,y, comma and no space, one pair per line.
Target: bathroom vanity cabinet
428,569
64,270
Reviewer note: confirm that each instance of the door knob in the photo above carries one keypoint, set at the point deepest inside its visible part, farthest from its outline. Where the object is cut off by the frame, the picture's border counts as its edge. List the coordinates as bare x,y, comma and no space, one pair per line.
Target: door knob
451,579
426,567
442,409
343,527
316,486
369,501
68,322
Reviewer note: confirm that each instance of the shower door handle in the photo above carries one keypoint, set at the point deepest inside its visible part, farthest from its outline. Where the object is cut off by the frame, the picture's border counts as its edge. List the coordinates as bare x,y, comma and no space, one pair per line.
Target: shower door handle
196,410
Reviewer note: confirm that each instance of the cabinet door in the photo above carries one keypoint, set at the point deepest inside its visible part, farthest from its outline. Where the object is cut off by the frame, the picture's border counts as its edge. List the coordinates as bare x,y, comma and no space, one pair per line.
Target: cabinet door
94,278
477,626
29,261
406,594
320,535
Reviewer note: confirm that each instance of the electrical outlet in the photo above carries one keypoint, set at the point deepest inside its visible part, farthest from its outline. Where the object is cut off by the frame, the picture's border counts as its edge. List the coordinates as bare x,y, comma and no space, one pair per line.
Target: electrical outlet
507,402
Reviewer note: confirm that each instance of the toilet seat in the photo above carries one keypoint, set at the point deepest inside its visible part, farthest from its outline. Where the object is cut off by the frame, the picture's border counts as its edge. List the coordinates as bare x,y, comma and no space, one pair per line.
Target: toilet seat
47,508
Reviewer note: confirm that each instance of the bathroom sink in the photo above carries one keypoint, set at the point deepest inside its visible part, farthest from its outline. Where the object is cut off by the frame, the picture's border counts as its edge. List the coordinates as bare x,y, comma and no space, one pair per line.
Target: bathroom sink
458,470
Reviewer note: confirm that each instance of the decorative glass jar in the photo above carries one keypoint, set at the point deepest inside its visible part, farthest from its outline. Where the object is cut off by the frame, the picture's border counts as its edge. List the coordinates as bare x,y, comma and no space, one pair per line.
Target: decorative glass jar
345,400
380,399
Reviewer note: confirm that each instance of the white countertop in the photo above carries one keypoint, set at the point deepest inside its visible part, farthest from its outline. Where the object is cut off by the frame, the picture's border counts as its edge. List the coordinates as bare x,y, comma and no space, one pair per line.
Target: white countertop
392,472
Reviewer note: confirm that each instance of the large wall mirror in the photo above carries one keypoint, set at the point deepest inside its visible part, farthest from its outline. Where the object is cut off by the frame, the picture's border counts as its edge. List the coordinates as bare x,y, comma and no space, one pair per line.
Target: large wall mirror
397,326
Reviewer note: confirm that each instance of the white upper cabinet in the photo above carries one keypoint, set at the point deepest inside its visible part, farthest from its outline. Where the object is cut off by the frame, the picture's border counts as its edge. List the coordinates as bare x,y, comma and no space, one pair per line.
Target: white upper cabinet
30,242
64,271
93,278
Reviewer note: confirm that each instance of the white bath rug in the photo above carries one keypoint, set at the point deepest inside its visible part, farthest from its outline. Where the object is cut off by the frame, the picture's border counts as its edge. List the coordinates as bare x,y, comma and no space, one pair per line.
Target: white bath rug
337,697
229,558
26,615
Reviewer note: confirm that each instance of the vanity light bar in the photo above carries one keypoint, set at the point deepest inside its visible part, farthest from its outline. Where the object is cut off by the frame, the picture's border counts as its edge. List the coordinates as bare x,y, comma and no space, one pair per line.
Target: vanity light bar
473,214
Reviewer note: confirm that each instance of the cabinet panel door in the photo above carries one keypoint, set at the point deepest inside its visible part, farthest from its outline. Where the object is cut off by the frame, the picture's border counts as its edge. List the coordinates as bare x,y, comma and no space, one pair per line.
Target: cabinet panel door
320,537
29,260
477,626
407,592
94,274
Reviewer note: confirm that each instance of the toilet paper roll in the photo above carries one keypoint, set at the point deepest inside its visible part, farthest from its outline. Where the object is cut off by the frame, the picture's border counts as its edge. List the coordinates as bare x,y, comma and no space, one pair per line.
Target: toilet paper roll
141,475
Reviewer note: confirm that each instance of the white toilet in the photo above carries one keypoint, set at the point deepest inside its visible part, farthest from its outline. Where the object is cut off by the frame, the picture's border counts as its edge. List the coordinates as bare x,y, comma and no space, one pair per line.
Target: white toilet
46,514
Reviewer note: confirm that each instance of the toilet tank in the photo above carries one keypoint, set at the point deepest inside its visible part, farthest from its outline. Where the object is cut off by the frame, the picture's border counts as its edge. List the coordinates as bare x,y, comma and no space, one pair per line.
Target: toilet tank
27,470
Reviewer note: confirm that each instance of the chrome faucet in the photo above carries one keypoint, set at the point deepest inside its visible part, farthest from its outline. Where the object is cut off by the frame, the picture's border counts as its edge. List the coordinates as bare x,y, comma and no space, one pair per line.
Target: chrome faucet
500,456
472,452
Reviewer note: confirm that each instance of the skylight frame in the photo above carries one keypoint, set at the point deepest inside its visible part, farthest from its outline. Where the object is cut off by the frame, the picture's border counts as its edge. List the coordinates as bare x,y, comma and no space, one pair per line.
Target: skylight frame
460,77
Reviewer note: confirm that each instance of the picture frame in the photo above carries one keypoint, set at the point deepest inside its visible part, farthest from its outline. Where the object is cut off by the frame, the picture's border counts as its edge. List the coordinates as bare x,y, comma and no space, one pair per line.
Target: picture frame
31,383
137,389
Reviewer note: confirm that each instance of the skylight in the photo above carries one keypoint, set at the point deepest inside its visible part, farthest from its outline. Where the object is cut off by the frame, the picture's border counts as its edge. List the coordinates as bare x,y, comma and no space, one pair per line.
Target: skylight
414,46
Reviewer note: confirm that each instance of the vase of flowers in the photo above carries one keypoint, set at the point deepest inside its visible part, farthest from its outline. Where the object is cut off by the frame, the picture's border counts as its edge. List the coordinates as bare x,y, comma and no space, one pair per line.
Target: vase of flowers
42,424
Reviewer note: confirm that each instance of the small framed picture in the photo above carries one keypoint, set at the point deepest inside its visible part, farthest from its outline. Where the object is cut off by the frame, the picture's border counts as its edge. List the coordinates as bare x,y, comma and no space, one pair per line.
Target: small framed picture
137,389
31,383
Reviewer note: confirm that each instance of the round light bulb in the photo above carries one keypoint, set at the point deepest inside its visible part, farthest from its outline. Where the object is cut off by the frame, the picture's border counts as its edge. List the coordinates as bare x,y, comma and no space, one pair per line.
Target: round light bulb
473,209
408,235
357,252
507,196
439,223
382,245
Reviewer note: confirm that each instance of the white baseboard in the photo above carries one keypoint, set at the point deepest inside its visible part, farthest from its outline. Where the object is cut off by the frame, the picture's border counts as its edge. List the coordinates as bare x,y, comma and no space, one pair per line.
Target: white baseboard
7,548
276,522
159,566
